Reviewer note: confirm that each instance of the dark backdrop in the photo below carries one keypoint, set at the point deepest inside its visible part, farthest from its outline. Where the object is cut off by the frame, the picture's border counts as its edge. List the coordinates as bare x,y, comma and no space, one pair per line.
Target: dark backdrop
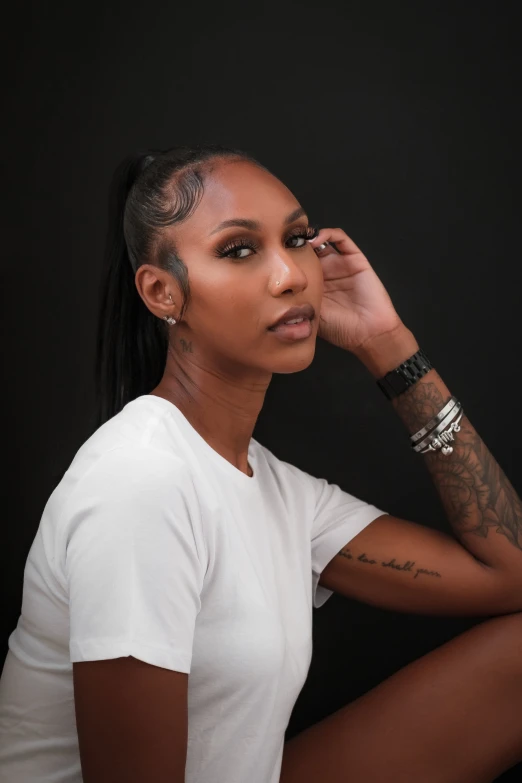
396,122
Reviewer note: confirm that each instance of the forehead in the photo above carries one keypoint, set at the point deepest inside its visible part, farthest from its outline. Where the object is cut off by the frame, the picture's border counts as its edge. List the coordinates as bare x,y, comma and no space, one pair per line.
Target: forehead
237,189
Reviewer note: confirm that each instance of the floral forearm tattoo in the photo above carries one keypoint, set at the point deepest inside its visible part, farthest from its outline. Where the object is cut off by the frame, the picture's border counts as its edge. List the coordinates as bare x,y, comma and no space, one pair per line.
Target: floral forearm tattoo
475,492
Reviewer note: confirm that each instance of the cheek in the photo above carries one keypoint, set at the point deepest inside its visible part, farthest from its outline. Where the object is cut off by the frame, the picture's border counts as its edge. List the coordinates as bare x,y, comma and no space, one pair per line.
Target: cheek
234,310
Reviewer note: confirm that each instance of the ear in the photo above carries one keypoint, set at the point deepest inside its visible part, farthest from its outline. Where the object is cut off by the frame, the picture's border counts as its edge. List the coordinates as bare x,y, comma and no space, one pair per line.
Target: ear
158,290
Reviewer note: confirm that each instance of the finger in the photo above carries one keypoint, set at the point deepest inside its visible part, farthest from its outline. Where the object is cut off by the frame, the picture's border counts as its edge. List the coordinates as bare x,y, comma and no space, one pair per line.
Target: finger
326,248
343,243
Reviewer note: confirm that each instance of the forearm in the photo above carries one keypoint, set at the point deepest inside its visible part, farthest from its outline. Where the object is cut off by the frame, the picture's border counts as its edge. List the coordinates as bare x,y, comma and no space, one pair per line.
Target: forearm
481,505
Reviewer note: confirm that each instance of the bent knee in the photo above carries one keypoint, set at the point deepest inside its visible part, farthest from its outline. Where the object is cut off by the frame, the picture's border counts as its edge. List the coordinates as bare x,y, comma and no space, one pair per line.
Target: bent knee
498,640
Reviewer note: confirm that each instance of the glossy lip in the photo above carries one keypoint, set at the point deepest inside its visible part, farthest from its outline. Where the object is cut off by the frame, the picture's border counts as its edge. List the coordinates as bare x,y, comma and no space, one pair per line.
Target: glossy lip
303,311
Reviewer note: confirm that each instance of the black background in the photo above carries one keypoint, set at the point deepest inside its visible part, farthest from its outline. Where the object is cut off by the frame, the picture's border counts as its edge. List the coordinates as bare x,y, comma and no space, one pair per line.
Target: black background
397,122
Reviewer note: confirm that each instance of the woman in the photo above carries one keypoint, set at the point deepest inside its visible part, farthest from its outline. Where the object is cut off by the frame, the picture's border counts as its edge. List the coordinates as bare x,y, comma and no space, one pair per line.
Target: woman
176,544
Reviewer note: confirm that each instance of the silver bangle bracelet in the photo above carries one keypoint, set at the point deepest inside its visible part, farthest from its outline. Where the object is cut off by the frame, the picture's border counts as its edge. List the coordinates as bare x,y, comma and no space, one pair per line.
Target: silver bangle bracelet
442,441
436,420
442,426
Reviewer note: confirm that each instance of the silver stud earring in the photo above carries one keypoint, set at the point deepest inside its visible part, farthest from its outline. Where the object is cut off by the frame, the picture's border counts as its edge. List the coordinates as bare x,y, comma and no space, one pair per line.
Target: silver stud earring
168,318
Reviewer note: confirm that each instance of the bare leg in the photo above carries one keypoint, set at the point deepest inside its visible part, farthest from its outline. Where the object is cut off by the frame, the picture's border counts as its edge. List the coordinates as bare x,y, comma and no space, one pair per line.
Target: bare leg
452,716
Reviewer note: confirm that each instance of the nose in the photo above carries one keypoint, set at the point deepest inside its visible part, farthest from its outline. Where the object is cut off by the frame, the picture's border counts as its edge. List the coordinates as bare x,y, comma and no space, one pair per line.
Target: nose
288,274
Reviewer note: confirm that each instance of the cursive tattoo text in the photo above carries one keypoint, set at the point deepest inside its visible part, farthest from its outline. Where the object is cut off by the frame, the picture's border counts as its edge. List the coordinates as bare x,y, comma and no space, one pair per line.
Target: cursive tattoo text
408,566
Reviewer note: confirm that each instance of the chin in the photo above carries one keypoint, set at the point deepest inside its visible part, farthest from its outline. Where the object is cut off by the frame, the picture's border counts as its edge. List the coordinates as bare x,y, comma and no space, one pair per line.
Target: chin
297,358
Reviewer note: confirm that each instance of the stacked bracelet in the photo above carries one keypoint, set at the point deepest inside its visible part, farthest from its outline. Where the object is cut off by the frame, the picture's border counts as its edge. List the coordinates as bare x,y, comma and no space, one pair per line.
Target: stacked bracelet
435,421
441,435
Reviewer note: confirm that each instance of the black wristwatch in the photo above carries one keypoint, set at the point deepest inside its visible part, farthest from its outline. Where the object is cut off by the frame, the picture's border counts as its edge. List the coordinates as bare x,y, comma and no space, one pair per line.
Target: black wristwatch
405,375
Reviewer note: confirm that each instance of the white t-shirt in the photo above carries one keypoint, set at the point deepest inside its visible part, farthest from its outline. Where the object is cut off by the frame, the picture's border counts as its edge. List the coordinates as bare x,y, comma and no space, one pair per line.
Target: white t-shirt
154,545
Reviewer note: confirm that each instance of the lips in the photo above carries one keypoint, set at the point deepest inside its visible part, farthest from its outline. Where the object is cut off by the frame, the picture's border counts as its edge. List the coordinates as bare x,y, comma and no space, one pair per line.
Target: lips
303,311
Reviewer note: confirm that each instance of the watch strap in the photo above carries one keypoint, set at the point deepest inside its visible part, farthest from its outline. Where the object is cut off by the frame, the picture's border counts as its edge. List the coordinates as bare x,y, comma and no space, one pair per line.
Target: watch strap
398,380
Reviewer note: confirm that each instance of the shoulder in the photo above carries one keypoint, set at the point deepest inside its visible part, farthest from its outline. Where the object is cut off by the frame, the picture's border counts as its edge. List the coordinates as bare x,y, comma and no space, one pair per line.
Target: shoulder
127,499
122,484
286,474
134,466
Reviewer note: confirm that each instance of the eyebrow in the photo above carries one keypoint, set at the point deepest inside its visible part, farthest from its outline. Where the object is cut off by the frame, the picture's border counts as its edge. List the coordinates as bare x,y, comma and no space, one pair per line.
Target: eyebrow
254,225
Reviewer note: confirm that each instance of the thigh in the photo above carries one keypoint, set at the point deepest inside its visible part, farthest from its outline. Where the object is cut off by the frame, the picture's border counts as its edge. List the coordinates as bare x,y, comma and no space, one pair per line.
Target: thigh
452,716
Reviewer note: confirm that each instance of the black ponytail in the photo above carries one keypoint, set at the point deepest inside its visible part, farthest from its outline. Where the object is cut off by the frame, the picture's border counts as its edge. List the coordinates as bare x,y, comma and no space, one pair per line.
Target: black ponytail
144,198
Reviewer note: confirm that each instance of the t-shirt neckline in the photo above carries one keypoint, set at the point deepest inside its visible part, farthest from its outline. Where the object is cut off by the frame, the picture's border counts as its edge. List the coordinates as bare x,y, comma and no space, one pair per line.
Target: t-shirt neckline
237,475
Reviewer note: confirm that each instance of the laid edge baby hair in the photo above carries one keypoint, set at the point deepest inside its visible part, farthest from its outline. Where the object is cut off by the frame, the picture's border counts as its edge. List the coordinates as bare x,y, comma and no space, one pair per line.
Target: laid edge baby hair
149,191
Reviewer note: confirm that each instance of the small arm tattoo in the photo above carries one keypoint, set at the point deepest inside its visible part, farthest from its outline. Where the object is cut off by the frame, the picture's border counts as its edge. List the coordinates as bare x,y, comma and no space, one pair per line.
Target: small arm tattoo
408,566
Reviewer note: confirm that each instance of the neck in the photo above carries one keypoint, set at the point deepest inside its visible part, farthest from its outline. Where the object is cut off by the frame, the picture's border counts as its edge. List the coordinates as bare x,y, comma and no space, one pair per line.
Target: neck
222,407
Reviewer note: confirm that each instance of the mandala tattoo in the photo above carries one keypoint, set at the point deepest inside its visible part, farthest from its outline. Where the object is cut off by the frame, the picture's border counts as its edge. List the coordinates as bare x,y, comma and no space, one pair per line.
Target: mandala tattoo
475,492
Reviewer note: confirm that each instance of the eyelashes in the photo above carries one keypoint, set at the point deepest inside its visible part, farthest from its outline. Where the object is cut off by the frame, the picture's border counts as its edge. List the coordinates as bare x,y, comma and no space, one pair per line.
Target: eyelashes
247,243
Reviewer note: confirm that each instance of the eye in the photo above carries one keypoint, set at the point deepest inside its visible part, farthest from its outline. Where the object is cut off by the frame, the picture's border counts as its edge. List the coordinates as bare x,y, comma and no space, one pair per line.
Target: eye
309,233
230,249
242,249
235,246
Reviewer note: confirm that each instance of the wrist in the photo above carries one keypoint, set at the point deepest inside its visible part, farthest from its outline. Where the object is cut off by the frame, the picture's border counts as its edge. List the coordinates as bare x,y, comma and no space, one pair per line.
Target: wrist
383,353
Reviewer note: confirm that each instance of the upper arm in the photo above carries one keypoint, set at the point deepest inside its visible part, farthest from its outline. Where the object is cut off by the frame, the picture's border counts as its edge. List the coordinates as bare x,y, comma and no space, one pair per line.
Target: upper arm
400,565
132,721
135,563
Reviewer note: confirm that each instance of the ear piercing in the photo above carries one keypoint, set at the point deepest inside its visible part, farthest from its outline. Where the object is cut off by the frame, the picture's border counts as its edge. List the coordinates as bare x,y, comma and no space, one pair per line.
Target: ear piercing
168,318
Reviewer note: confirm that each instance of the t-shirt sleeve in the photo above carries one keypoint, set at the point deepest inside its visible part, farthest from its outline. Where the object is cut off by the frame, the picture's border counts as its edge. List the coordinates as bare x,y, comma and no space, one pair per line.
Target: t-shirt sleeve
338,517
135,560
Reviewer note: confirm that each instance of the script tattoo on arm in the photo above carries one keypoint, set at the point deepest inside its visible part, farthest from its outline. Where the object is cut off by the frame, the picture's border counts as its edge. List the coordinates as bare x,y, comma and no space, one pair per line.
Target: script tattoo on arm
475,492
408,566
